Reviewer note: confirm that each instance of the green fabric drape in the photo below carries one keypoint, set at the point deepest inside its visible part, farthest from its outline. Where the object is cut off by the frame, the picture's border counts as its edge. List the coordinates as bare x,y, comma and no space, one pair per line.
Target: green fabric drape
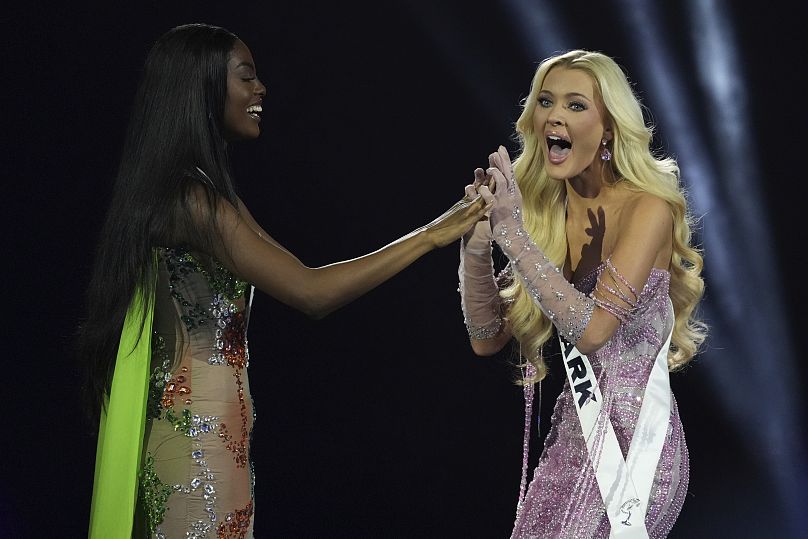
120,434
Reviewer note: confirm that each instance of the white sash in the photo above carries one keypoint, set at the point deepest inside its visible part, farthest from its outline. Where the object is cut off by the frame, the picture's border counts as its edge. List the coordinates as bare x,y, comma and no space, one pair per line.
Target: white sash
625,485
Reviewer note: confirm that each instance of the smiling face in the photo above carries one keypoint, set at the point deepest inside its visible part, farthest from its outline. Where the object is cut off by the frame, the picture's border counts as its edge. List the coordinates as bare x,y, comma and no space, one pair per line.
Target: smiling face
569,122
245,93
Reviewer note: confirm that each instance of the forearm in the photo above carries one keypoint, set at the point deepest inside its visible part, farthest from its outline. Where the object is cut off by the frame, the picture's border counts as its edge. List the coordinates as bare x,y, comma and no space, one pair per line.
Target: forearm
479,295
247,251
568,309
327,288
480,301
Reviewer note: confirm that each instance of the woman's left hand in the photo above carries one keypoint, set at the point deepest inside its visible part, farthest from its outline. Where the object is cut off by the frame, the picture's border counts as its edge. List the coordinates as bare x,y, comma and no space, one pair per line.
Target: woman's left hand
506,214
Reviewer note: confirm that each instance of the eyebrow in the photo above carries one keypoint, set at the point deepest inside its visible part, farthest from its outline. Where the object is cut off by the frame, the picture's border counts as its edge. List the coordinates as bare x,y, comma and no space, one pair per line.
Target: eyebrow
571,94
245,64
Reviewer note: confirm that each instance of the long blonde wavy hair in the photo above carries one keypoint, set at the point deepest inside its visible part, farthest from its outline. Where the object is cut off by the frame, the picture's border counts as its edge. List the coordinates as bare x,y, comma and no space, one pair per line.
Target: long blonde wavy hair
634,162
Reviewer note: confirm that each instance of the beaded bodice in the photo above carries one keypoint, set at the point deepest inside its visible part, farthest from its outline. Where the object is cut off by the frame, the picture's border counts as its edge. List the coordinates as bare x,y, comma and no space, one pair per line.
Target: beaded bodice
563,499
198,478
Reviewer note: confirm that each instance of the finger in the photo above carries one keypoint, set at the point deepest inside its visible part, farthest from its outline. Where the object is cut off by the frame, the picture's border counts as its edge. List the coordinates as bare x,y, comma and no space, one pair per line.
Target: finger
478,210
493,160
488,197
471,211
471,192
504,158
501,185
479,177
476,199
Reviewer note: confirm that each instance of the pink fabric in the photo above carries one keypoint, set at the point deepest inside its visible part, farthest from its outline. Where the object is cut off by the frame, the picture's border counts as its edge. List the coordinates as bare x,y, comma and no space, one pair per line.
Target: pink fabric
563,499
479,295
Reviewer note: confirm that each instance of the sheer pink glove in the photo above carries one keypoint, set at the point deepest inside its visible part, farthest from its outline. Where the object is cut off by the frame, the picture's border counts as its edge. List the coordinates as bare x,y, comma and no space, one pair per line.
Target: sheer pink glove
568,309
479,294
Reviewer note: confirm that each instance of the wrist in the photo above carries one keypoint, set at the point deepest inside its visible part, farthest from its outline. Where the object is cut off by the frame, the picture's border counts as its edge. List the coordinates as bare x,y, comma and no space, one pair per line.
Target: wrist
425,240
477,249
489,331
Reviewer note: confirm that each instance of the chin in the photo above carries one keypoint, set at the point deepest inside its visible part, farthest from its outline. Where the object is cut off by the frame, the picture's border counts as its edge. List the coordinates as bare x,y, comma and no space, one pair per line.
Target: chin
243,135
555,172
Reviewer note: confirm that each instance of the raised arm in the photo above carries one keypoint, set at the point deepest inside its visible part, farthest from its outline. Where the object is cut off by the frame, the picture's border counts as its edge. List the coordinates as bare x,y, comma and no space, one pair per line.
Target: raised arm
479,291
252,255
587,321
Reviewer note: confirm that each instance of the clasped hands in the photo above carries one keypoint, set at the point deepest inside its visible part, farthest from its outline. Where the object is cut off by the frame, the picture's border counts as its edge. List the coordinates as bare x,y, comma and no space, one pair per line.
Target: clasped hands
490,203
497,187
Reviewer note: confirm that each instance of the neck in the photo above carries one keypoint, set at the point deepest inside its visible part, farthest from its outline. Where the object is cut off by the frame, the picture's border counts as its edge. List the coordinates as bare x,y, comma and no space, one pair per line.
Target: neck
580,188
588,188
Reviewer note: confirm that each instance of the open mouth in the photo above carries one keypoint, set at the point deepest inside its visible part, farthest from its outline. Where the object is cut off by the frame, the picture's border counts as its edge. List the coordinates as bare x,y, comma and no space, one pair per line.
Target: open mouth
559,148
255,112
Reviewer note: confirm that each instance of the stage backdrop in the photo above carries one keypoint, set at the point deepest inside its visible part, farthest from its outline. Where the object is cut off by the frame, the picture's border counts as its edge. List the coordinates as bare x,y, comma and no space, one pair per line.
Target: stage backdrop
378,421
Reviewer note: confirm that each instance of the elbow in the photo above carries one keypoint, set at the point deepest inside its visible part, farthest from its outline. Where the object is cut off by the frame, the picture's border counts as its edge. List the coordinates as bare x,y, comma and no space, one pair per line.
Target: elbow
317,313
309,304
492,346
315,310
315,298
591,343
600,330
587,347
485,347
317,306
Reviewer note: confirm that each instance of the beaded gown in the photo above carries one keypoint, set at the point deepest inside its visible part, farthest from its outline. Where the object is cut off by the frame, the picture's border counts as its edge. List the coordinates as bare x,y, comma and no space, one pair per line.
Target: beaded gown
563,499
197,478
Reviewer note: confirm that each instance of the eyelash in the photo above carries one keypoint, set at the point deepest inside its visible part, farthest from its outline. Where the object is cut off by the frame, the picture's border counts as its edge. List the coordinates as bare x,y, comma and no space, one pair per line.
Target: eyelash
577,104
248,79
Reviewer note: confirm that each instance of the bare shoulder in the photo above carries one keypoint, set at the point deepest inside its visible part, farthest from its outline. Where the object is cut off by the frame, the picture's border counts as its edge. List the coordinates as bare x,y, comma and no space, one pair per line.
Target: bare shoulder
205,205
645,236
646,210
647,224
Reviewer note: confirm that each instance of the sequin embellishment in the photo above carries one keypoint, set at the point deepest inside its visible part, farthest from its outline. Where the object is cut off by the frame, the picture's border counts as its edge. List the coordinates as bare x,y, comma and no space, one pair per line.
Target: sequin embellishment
230,349
235,524
191,395
153,494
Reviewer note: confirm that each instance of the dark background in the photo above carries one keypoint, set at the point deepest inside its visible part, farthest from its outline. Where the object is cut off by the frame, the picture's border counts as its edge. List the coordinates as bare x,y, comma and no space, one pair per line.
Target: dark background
377,421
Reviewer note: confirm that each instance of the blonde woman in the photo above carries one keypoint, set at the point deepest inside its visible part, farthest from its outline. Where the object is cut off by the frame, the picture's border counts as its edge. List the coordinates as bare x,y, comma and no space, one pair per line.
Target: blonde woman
597,232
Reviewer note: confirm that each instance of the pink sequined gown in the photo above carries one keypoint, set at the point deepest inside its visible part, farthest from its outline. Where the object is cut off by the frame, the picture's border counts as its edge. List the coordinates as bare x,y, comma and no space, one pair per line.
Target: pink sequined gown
197,478
563,499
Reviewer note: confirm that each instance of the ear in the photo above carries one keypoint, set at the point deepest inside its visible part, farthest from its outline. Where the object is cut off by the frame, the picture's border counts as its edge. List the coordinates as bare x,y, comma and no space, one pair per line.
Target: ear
608,134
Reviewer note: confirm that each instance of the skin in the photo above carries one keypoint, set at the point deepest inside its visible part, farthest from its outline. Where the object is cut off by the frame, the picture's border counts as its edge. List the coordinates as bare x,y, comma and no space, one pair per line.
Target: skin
243,90
604,218
250,253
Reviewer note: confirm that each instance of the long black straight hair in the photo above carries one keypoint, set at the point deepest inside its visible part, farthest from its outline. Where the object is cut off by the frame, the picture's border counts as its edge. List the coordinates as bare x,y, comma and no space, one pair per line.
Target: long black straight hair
175,132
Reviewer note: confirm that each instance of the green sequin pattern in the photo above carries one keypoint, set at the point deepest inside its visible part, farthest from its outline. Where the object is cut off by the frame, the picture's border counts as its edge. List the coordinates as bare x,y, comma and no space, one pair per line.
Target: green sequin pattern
180,264
153,494
181,424
158,378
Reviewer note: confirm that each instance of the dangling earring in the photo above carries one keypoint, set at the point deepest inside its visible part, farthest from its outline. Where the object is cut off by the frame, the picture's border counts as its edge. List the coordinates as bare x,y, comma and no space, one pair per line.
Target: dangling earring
605,154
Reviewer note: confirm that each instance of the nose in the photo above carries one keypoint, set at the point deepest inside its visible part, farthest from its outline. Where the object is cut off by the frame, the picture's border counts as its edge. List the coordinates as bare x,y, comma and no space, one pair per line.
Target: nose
260,89
556,116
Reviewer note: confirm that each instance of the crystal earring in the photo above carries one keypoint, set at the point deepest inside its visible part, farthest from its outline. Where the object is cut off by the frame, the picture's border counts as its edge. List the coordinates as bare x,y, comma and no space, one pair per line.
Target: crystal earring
605,154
